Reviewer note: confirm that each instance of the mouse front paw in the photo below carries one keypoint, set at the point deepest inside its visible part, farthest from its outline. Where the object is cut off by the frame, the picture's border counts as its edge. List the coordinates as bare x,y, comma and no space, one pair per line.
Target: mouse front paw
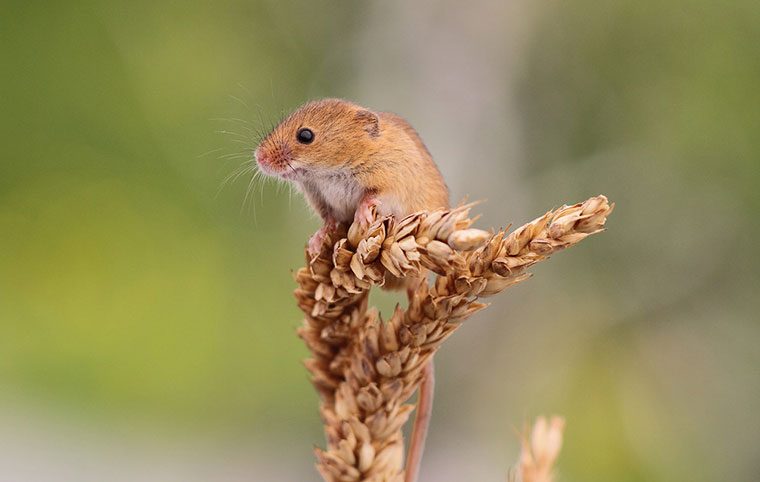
364,214
315,242
318,238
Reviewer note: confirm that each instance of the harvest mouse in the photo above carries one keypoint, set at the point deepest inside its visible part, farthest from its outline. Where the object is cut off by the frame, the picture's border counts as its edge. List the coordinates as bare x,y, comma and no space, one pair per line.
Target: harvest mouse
345,159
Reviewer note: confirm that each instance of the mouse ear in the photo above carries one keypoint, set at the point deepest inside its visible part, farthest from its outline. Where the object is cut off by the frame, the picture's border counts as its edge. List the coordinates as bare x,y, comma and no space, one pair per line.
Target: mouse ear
370,122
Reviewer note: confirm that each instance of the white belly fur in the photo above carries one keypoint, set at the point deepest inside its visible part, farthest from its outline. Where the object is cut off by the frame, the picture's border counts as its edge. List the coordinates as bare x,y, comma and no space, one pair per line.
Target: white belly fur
341,192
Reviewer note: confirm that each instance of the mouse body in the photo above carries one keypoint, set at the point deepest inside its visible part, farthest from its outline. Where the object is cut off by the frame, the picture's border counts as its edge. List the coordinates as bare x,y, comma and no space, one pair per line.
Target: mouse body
346,159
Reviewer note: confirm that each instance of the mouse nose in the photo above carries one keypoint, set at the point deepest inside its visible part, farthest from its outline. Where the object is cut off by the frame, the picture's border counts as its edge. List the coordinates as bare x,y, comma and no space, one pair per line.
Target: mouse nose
260,156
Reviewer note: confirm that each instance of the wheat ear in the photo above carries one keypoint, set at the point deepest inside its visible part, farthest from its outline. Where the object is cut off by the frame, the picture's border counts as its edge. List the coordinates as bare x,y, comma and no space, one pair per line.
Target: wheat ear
365,369
540,449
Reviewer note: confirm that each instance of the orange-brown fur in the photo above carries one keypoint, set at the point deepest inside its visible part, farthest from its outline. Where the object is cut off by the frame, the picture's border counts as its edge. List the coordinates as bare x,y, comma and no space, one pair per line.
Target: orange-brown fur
359,158
356,155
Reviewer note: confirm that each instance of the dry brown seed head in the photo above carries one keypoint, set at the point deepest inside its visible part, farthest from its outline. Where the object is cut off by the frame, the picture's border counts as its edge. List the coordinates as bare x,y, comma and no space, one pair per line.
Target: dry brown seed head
349,345
468,239
366,456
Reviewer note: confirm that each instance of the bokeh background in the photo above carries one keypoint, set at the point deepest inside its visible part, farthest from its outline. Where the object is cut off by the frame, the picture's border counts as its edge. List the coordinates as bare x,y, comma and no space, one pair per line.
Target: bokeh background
147,326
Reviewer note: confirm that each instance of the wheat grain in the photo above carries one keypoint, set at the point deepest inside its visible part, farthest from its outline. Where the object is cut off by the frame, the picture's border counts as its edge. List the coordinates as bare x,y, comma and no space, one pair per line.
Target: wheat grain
365,369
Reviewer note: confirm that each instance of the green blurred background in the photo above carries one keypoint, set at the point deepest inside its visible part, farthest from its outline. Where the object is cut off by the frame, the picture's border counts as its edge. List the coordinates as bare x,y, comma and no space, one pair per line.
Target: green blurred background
147,326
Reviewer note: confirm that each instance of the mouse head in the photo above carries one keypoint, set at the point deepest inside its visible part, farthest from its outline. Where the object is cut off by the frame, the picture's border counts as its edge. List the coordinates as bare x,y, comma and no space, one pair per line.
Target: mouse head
323,135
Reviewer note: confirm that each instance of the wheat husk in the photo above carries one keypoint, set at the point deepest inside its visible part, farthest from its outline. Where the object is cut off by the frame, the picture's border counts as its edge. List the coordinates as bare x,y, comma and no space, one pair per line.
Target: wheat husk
366,369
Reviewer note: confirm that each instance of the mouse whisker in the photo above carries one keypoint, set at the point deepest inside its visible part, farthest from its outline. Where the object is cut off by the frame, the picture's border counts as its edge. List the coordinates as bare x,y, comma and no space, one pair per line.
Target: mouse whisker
240,101
247,138
241,122
248,191
210,152
234,175
238,155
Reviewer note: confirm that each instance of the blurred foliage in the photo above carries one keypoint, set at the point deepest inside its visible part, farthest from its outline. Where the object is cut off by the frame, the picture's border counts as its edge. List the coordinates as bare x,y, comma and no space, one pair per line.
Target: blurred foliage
678,77
656,105
133,288
126,282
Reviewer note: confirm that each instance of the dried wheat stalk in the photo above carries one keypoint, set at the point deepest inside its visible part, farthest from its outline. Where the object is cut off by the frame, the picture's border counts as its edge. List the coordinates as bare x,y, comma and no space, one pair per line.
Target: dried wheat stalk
365,369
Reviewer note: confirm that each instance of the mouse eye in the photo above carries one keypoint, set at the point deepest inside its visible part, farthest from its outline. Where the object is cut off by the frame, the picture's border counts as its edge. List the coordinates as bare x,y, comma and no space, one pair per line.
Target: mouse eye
305,136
